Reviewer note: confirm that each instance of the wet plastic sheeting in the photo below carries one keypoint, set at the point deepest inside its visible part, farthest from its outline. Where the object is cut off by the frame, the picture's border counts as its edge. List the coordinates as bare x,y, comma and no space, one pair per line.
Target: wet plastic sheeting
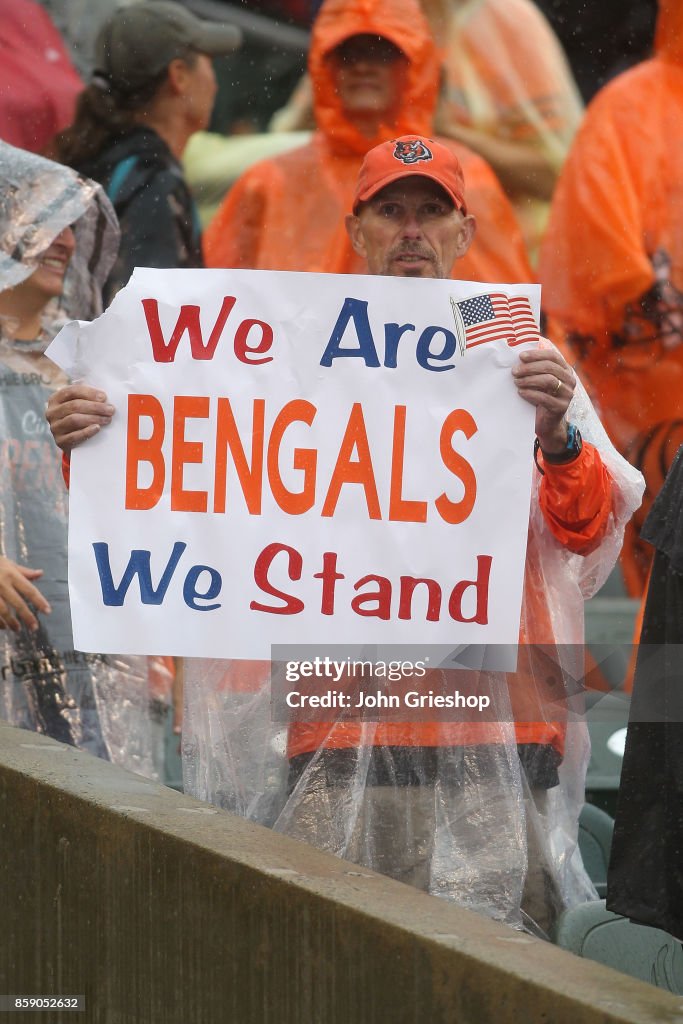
443,805
96,702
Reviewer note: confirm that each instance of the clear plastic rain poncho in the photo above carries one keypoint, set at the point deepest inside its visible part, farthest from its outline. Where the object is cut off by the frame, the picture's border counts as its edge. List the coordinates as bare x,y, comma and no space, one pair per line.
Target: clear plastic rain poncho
481,813
96,702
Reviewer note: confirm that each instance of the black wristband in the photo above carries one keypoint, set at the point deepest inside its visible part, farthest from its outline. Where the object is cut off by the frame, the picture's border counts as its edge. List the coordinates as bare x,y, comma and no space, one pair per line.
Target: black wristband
571,451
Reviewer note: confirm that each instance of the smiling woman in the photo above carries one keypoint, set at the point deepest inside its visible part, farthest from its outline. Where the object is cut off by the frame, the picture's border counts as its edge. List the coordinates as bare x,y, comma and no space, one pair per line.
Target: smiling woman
26,301
58,239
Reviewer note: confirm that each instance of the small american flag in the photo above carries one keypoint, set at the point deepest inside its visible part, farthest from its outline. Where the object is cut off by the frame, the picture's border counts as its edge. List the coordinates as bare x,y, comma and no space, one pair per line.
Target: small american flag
494,317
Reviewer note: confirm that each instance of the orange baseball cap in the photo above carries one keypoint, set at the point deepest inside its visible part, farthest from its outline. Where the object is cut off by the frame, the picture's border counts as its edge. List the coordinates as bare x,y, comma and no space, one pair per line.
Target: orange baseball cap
404,157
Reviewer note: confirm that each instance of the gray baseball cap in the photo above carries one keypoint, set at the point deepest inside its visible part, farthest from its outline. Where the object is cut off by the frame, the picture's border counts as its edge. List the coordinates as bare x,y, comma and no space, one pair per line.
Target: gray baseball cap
140,40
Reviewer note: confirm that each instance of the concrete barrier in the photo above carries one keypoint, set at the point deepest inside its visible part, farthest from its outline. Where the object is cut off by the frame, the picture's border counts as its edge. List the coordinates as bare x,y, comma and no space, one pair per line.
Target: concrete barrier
162,910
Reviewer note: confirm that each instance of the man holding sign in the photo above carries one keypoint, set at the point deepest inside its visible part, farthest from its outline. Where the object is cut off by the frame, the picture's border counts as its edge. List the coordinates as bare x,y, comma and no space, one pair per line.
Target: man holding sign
469,786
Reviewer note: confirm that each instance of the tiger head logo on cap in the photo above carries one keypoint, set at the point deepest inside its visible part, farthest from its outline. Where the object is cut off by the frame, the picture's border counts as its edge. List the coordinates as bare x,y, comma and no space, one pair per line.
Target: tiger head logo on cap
411,154
412,151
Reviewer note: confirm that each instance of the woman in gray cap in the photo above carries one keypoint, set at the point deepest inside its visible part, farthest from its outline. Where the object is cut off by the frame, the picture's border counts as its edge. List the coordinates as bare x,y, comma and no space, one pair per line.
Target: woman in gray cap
58,239
153,88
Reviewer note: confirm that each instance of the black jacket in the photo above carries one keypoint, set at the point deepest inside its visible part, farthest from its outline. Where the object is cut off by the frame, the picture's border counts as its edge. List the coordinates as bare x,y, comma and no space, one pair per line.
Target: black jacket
158,218
645,878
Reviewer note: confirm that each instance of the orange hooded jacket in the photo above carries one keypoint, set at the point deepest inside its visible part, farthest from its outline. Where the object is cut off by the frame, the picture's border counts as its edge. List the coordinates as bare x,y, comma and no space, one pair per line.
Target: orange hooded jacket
288,213
612,263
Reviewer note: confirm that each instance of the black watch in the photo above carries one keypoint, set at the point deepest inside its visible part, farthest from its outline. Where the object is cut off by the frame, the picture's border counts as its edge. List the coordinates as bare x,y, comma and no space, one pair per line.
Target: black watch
571,450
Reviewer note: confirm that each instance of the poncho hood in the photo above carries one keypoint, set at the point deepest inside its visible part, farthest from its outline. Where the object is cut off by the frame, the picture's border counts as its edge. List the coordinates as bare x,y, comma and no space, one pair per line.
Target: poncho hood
403,24
669,37
38,199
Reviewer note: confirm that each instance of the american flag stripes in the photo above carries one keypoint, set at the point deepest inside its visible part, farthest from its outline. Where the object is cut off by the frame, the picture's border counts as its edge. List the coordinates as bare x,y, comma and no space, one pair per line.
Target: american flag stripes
494,316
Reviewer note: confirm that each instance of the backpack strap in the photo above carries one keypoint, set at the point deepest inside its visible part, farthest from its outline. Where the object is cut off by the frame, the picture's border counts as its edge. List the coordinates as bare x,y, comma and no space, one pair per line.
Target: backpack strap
121,172
119,176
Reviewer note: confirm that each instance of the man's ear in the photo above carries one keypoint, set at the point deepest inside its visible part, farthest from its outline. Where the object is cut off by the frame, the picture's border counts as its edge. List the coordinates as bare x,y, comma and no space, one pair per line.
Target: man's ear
468,228
355,233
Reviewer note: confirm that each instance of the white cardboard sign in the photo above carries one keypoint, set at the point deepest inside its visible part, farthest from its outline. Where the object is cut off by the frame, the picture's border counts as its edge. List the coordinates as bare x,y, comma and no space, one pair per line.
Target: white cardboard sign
300,458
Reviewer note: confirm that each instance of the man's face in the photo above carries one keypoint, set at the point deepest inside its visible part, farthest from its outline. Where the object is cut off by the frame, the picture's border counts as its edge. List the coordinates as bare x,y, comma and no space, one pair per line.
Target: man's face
369,74
410,229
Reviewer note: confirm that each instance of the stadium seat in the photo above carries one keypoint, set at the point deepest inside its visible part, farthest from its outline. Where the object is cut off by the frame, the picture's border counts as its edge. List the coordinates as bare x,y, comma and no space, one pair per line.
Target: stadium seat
649,954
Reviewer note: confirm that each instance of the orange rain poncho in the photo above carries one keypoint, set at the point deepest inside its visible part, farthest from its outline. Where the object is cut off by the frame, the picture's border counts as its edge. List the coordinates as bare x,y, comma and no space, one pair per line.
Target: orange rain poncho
288,213
612,263
507,77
